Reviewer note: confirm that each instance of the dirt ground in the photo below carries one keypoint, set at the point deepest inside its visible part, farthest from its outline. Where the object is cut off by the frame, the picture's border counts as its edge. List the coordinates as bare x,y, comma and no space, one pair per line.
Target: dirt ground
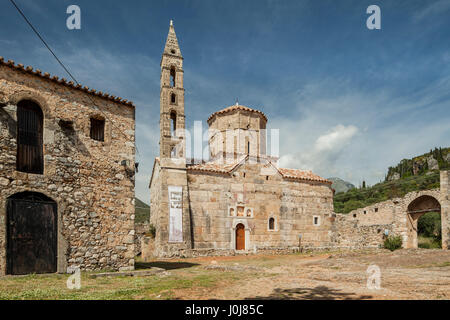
405,274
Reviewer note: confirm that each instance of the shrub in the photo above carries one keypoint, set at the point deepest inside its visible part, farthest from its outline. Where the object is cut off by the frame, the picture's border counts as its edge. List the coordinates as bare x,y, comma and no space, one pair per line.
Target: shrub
393,243
429,225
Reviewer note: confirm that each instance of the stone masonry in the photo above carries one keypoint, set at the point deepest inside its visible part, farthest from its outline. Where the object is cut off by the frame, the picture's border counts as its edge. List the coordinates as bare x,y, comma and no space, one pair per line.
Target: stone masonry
239,188
91,181
241,201
366,227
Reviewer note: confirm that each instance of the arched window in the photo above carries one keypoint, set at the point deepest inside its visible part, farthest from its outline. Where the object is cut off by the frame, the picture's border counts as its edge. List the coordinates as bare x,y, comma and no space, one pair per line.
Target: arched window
173,123
30,146
173,98
271,224
172,77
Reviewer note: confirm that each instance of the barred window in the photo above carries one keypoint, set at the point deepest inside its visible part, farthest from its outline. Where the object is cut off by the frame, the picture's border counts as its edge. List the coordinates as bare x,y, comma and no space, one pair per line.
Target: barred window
30,150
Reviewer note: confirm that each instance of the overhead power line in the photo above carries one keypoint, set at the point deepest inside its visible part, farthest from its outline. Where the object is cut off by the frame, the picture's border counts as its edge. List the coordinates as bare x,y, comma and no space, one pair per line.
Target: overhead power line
66,69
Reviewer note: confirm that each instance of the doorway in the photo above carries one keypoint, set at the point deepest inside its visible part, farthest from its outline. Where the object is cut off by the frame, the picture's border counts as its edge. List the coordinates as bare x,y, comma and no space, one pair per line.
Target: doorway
240,237
31,234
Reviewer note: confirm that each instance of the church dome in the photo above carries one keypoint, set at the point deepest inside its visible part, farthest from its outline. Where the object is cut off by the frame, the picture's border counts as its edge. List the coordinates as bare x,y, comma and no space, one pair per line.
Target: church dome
236,107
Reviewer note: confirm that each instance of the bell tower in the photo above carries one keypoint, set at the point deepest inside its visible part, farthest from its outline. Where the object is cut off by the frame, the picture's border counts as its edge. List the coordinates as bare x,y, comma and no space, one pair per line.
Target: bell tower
172,118
172,217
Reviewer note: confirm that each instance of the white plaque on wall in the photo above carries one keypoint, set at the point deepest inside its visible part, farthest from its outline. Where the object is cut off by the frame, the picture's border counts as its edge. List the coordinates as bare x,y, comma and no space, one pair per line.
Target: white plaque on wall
175,214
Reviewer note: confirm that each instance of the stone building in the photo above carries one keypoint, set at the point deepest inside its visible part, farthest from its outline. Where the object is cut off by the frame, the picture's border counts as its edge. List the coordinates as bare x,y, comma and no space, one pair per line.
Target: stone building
238,200
241,201
67,157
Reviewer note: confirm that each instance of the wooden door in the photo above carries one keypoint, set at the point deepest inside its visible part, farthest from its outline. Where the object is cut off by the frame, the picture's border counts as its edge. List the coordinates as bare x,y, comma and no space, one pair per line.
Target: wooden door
240,237
32,243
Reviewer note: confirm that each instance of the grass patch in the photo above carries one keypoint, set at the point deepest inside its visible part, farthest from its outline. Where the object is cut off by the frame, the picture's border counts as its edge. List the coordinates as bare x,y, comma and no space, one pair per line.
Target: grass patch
429,243
53,287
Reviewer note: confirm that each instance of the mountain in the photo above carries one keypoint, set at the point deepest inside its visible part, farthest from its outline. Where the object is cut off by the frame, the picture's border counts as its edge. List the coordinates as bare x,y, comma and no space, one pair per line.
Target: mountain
340,185
142,211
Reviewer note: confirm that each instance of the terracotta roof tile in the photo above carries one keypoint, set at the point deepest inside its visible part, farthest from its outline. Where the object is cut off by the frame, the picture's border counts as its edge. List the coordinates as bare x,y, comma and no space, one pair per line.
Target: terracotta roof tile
301,175
63,81
226,168
236,107
215,166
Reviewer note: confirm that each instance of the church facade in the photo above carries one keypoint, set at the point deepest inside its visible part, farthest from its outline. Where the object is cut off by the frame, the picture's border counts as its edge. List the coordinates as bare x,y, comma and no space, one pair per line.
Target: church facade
237,201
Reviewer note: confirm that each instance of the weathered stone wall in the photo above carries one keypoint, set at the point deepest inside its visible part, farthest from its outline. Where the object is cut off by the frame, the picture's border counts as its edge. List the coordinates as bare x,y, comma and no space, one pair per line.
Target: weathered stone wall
445,208
365,227
93,191
155,196
147,246
170,174
141,230
231,131
350,233
293,205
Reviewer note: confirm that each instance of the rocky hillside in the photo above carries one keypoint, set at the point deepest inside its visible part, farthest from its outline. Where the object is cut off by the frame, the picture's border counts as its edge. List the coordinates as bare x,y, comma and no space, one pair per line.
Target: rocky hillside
341,185
418,173
437,159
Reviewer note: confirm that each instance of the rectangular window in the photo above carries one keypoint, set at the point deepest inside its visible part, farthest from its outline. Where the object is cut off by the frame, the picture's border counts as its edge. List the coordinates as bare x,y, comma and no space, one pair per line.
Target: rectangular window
97,129
316,221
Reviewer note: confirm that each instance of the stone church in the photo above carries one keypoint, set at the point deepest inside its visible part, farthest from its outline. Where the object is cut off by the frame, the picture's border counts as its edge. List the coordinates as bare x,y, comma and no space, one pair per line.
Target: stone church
238,200
67,158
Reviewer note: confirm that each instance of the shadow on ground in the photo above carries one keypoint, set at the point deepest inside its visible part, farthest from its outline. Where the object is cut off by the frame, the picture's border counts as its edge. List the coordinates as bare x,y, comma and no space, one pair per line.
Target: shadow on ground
167,265
317,293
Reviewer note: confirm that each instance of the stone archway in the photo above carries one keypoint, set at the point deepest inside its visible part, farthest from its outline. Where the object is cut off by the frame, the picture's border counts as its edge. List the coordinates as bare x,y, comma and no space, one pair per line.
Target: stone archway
417,208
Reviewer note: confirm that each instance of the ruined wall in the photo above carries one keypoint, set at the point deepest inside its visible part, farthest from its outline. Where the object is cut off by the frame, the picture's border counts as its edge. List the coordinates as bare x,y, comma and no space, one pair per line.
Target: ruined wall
93,191
365,227
292,204
350,233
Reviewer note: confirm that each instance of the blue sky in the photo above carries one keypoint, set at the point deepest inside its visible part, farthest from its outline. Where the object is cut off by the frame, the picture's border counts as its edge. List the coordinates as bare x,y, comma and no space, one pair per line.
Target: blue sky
348,101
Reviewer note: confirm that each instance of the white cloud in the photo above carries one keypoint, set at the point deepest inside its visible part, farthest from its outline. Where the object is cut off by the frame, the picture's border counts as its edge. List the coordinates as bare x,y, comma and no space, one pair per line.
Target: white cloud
337,129
335,139
326,151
